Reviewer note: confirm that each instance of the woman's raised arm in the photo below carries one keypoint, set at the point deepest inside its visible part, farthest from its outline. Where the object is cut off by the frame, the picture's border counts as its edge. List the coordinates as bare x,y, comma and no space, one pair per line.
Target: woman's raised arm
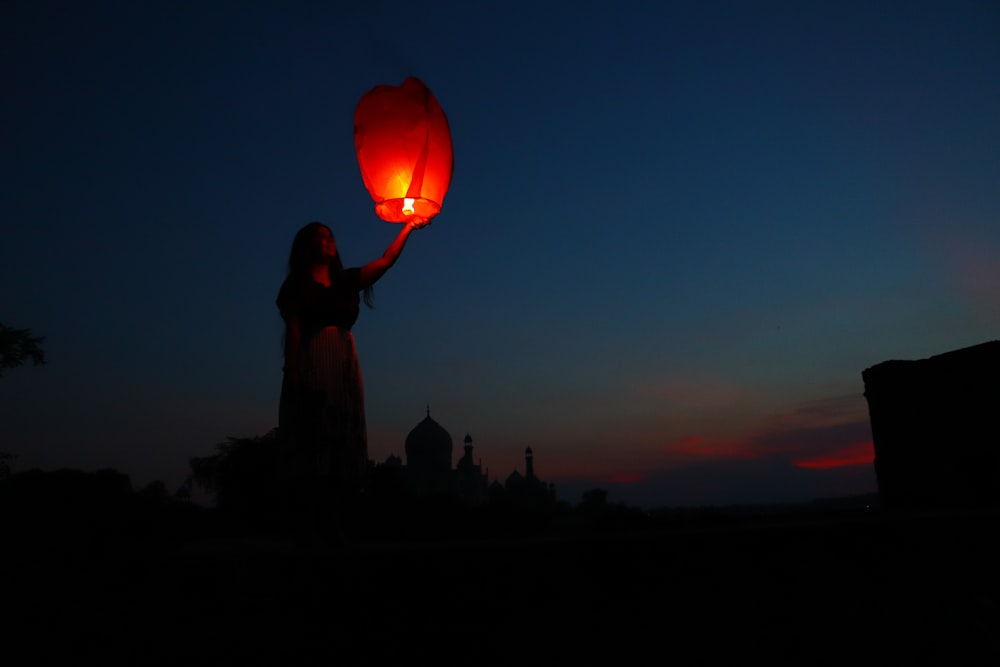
375,269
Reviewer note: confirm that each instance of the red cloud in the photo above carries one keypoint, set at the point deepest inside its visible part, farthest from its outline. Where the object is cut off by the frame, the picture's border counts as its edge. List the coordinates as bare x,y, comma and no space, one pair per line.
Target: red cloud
810,447
861,453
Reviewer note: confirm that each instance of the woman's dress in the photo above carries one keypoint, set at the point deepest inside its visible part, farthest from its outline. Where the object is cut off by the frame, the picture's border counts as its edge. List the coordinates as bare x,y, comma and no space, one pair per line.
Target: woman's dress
322,418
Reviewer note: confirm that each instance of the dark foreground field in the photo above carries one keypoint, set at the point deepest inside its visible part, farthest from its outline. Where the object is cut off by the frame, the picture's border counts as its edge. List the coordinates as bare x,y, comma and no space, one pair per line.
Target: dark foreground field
864,588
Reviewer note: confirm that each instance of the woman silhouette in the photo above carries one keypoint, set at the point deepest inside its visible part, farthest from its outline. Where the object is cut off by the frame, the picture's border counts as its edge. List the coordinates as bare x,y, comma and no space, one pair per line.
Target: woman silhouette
321,415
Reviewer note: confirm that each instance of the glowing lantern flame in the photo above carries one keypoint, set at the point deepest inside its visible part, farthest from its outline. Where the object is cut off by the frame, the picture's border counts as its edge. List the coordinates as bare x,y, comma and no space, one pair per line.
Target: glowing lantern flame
403,145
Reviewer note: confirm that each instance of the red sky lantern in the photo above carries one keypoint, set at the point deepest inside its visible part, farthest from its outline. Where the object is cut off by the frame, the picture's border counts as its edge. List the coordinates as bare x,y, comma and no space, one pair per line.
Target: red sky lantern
403,145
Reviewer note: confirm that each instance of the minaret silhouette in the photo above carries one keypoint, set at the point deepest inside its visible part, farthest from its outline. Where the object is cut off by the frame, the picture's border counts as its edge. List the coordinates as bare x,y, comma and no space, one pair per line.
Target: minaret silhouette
529,464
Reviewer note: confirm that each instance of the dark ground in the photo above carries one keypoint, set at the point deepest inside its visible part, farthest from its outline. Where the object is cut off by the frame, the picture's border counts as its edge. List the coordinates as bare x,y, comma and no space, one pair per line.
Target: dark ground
861,587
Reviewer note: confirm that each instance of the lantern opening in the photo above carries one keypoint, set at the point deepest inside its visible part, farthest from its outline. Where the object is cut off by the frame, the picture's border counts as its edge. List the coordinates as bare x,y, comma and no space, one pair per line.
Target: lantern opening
399,209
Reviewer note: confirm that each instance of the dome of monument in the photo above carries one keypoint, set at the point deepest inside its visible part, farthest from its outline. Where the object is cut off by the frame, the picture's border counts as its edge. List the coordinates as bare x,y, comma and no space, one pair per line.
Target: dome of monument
515,479
428,446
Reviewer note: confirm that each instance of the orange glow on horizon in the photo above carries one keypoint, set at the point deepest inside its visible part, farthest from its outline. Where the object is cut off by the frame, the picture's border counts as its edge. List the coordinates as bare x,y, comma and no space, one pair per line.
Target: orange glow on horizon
699,445
627,478
690,444
861,453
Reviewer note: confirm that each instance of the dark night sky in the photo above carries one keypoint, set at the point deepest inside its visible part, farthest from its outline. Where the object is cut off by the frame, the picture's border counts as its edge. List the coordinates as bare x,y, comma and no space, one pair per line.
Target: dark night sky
676,234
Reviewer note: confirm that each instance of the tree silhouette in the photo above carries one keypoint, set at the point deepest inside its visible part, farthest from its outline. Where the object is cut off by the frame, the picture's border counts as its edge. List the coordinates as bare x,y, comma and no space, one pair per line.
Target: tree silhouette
594,500
5,458
17,346
241,474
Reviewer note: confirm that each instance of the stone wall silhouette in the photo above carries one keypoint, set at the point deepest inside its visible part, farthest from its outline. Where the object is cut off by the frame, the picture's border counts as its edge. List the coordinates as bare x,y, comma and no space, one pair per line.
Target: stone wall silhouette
936,429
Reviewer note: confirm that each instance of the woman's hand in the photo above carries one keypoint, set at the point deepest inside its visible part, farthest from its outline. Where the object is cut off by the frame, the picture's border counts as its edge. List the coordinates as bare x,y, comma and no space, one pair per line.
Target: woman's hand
417,223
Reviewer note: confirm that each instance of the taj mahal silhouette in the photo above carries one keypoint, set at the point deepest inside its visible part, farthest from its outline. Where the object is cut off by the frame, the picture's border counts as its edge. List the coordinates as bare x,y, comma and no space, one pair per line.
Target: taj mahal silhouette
428,470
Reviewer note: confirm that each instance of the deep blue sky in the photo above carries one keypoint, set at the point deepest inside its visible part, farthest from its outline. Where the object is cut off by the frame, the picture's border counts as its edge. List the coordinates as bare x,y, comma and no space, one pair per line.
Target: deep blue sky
676,234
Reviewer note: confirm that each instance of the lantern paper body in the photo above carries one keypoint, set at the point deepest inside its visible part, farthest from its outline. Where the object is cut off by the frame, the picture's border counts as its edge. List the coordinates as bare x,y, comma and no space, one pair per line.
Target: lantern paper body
403,145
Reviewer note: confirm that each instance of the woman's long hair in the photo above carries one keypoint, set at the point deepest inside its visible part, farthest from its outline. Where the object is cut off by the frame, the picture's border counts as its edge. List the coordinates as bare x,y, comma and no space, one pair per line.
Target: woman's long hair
303,255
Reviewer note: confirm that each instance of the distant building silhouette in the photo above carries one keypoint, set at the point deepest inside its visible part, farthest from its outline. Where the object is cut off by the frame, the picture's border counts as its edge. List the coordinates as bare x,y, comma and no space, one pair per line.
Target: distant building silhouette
428,470
470,480
428,457
935,429
523,490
